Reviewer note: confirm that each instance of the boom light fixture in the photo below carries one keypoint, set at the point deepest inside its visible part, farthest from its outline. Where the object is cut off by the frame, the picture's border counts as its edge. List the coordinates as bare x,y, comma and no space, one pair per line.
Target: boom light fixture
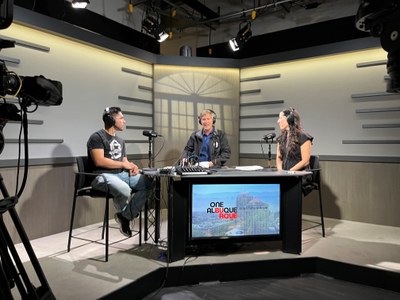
243,35
151,24
80,3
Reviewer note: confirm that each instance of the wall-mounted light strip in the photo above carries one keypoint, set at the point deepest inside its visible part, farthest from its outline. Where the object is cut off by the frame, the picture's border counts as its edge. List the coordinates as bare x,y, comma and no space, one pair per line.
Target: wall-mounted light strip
36,141
136,72
371,63
133,157
10,59
377,94
377,110
250,92
136,141
28,44
142,87
258,129
139,128
261,77
260,116
397,125
262,103
135,99
137,114
371,142
35,122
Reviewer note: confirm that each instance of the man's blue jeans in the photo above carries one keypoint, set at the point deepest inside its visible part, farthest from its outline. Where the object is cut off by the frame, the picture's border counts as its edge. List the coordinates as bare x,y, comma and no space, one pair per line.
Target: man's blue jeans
120,186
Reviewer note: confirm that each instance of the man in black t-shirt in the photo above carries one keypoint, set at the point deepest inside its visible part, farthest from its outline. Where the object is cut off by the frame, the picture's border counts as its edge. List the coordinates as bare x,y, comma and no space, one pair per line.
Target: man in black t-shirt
107,155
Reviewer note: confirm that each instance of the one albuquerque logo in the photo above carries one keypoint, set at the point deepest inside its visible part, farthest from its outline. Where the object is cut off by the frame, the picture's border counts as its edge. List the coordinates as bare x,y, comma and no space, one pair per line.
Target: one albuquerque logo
223,212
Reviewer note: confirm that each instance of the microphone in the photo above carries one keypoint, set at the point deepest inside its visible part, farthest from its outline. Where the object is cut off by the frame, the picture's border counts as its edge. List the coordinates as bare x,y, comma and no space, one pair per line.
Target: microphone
269,136
151,133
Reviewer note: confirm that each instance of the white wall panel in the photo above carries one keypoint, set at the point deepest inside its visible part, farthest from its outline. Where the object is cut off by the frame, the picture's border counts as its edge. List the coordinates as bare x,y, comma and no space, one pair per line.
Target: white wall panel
321,90
92,79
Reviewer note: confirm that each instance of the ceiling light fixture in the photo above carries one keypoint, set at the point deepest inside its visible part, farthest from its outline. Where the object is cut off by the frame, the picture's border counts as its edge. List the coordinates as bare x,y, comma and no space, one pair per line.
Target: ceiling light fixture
242,36
153,26
80,3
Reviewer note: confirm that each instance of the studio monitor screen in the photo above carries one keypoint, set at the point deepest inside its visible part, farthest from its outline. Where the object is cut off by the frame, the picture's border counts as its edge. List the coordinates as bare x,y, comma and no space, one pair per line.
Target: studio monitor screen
235,211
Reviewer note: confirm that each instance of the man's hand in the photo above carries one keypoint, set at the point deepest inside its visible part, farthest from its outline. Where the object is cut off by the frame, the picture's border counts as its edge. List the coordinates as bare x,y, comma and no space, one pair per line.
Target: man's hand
134,171
131,167
183,162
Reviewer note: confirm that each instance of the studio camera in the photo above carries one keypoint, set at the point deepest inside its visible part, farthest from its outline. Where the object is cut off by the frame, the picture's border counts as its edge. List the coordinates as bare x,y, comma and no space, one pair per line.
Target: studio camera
27,91
24,91
382,19
32,90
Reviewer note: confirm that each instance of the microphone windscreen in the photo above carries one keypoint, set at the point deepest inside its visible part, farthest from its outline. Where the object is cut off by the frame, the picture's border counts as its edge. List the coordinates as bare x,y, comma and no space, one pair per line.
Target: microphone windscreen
269,136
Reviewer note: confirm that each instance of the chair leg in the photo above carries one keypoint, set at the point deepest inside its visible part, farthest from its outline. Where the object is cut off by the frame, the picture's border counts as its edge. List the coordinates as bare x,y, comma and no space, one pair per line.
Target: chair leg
106,225
140,228
321,212
105,219
71,222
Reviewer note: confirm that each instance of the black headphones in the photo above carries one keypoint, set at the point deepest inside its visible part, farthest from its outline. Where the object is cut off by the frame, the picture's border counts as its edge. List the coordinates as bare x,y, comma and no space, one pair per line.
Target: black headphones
108,118
208,111
290,116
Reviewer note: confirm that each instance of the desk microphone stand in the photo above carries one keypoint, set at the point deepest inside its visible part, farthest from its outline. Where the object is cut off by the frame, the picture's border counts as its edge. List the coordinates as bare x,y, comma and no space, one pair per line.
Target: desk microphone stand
151,160
269,141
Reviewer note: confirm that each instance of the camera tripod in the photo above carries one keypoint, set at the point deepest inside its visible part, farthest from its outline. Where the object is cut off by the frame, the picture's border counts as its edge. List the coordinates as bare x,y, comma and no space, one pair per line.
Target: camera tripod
12,271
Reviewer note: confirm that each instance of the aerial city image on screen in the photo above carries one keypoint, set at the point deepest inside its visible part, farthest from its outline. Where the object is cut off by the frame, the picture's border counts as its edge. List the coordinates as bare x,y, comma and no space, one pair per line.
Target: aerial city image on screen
224,210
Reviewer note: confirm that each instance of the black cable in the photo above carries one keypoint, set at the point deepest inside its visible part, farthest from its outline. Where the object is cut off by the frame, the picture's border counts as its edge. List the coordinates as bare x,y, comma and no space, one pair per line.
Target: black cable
18,158
26,150
262,149
162,146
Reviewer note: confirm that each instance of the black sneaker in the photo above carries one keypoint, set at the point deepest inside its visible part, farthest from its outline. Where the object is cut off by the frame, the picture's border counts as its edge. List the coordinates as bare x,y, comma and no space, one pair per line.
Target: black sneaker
124,225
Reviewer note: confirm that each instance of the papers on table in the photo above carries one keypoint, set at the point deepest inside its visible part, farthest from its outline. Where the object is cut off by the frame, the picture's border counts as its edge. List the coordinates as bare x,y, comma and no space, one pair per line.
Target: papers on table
249,168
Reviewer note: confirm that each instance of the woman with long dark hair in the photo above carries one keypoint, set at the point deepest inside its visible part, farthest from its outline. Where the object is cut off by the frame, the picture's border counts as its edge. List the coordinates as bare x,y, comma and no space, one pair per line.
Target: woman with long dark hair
293,144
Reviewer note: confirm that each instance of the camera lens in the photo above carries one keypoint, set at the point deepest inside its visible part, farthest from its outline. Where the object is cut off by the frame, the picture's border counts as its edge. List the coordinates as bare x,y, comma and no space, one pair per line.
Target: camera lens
9,84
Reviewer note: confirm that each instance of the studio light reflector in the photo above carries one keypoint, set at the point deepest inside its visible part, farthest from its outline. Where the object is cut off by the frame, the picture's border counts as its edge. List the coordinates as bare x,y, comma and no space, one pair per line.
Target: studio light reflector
242,37
80,3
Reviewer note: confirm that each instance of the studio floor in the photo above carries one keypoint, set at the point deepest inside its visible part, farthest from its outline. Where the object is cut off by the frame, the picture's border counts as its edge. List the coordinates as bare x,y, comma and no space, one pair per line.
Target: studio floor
82,273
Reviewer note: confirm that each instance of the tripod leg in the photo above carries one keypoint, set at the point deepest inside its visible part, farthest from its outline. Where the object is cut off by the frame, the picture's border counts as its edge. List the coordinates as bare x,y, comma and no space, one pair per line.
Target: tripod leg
5,288
32,257
44,291
7,263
